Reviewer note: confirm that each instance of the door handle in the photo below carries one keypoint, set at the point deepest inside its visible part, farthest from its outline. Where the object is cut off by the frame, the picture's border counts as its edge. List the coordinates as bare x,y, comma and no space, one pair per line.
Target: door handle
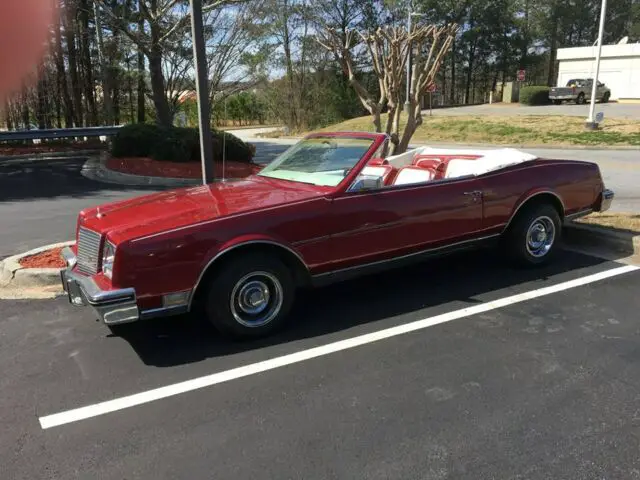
475,193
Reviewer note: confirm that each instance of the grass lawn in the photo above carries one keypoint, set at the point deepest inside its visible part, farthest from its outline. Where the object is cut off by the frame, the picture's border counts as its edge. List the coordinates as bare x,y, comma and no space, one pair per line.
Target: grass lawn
629,222
529,130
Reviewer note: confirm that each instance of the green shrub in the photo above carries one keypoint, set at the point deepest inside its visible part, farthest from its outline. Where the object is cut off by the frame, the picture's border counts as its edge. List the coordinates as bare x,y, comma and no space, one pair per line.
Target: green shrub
534,95
174,144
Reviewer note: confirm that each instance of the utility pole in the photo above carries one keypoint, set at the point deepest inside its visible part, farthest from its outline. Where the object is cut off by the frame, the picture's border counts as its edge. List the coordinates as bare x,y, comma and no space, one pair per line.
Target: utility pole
200,58
410,15
591,123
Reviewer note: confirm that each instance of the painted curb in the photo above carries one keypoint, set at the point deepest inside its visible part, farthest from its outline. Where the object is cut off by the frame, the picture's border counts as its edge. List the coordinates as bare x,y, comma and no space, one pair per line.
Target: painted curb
95,168
13,275
626,242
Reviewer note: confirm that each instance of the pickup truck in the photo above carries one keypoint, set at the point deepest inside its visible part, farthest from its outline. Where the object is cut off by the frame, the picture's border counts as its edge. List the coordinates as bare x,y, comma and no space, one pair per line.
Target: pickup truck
579,91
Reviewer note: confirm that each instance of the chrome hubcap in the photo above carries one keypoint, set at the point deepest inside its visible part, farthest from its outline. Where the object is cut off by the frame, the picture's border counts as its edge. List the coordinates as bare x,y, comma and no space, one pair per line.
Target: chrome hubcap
256,299
540,236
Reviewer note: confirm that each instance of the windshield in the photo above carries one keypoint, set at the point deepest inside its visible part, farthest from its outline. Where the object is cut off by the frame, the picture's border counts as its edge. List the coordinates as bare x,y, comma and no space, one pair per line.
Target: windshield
321,161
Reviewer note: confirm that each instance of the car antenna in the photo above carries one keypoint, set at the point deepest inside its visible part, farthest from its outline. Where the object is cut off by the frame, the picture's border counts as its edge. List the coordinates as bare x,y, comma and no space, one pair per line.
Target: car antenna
224,141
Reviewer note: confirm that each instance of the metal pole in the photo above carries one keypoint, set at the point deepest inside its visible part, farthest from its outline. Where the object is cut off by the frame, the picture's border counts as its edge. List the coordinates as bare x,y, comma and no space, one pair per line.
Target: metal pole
224,139
200,58
590,121
407,103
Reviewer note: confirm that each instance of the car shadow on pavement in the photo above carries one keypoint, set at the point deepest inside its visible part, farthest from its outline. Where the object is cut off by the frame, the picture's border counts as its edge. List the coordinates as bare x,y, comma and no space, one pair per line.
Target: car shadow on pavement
31,179
397,296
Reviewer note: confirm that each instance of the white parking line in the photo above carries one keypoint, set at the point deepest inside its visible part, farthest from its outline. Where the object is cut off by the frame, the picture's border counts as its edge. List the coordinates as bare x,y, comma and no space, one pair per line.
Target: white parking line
129,401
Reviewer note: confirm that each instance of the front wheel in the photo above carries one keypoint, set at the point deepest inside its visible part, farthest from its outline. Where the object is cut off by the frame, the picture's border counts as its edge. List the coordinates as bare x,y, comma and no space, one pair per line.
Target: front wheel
557,102
605,97
534,236
251,296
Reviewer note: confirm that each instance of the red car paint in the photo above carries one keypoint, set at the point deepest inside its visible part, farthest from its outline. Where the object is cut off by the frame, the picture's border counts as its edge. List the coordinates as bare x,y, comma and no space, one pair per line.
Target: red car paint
165,241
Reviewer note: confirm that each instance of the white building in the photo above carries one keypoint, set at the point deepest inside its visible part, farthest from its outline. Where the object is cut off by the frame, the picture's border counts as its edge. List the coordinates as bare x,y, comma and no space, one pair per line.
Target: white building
619,68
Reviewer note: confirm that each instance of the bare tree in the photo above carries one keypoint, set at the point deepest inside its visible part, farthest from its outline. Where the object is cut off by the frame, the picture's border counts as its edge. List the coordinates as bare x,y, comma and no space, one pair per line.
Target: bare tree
231,33
389,49
160,23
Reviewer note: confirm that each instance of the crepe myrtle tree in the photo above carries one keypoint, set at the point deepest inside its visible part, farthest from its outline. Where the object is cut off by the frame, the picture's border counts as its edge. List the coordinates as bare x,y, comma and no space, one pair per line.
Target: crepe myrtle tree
389,49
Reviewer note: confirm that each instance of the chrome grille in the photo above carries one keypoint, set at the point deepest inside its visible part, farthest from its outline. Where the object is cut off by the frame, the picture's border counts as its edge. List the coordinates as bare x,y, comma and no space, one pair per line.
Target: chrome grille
88,251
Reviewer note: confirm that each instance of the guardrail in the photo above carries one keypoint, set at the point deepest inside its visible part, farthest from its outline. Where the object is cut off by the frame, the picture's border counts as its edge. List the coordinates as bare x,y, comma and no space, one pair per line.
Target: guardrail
58,133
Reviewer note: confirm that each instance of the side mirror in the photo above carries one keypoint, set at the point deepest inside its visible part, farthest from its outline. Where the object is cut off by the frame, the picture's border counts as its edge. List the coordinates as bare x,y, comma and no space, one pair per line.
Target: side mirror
366,182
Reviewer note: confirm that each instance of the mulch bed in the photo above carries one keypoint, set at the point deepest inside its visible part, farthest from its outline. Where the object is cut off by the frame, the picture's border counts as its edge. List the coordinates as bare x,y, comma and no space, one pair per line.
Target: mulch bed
47,259
154,168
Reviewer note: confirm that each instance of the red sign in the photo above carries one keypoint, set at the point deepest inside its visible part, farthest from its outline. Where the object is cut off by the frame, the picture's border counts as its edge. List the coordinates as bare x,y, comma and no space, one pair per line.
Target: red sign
432,88
521,75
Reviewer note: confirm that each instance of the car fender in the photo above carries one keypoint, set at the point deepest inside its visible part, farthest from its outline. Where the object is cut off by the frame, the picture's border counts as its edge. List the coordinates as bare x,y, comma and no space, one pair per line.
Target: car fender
531,194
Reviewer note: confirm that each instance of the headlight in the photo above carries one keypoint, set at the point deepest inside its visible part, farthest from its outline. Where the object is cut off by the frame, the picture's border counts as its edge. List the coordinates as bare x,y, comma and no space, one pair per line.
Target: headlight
108,256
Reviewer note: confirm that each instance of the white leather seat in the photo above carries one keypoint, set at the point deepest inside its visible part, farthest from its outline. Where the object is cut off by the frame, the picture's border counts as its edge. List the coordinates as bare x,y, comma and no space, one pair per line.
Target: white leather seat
381,171
459,167
411,174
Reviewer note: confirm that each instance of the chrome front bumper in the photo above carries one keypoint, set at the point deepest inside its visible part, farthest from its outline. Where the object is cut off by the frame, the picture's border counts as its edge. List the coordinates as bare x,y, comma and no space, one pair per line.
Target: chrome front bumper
112,306
607,199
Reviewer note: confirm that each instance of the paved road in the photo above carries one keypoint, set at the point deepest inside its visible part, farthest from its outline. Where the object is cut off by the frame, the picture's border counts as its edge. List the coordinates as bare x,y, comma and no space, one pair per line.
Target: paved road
40,199
544,388
610,110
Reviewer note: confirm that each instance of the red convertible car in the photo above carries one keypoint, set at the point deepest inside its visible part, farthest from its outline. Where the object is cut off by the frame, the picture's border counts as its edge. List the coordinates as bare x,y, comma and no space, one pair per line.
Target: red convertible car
329,208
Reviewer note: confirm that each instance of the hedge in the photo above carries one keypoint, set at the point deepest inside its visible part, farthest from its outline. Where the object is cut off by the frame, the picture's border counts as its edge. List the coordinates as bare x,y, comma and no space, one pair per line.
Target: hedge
174,144
534,95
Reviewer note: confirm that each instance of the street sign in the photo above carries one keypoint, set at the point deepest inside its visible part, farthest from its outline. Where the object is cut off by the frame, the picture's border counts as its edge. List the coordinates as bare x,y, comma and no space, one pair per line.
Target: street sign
522,74
600,117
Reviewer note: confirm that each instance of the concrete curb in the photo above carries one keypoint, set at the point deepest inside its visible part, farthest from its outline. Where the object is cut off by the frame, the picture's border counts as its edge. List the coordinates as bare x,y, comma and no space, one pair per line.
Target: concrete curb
13,275
624,242
43,156
95,168
543,146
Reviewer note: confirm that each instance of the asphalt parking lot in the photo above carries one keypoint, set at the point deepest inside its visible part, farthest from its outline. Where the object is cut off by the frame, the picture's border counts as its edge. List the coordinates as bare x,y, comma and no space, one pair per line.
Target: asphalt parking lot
438,371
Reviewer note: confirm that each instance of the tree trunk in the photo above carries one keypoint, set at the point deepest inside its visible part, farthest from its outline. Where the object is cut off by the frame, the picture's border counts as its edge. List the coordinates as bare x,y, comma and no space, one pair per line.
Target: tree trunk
452,98
376,120
472,54
105,66
141,83
69,31
25,108
163,115
7,115
553,49
116,103
409,129
85,48
63,87
286,43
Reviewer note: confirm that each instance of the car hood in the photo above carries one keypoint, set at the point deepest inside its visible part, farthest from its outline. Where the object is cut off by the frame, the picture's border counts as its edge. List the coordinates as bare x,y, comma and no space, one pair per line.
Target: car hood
158,212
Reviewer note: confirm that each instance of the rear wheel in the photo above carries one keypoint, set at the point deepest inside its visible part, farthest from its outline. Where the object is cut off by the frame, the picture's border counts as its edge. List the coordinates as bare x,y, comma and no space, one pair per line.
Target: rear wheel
534,235
580,100
251,296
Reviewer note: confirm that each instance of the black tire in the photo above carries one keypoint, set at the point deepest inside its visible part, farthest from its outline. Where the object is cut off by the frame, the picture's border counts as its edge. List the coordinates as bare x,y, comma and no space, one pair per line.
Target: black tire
605,97
246,283
531,228
581,99
557,102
